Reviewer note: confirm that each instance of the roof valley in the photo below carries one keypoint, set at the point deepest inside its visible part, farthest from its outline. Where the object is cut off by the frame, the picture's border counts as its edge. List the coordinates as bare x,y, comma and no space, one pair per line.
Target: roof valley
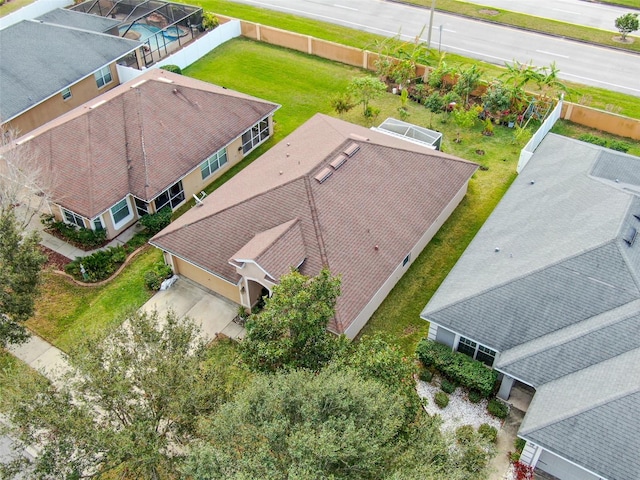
316,221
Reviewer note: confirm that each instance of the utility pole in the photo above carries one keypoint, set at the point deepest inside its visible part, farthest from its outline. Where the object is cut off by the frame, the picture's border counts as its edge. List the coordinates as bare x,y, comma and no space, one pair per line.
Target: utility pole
433,8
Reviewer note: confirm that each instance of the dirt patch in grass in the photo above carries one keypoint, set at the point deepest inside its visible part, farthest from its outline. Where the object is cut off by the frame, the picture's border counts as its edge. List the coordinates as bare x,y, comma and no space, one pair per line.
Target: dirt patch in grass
55,260
486,11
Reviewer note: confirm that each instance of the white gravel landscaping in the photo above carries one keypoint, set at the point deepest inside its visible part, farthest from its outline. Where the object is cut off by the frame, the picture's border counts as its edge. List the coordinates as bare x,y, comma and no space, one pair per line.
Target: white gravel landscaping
460,411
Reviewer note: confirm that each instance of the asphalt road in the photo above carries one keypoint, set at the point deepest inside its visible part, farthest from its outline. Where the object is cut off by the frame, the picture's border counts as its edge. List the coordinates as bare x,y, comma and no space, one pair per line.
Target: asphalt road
578,62
571,11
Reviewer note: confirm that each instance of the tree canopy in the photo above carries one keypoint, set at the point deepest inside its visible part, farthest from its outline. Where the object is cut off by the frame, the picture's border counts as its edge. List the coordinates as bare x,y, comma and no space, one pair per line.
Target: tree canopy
129,404
291,331
627,24
20,264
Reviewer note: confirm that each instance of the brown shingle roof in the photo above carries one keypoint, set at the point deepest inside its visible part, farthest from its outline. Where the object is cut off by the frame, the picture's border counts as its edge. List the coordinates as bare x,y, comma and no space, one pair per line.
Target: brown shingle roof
387,195
140,138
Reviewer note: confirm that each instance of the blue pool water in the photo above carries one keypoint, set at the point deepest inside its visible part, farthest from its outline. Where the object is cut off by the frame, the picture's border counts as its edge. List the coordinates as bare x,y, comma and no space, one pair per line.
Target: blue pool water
149,33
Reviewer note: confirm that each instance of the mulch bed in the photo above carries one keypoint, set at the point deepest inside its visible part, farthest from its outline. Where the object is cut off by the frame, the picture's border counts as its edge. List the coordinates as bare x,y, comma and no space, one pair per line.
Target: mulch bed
55,260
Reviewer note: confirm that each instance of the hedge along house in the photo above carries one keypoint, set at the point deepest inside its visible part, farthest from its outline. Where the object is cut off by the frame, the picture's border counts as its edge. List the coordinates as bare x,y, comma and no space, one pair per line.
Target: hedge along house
54,64
331,194
149,143
548,293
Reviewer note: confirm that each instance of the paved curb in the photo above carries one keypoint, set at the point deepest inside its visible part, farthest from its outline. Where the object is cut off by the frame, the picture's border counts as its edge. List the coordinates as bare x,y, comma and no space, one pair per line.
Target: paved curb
523,29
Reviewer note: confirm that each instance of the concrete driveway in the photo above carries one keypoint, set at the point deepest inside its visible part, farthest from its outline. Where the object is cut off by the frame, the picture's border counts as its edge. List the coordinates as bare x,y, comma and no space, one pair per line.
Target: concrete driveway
213,313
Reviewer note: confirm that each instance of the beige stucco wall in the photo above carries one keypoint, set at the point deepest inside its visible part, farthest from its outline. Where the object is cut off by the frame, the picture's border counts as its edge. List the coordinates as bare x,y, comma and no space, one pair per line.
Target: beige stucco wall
600,120
207,280
400,270
81,92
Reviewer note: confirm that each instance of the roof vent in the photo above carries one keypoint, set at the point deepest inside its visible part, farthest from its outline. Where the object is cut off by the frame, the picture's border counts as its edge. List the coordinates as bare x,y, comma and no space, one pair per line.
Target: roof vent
358,137
637,215
323,175
351,149
165,80
630,236
24,140
137,84
337,162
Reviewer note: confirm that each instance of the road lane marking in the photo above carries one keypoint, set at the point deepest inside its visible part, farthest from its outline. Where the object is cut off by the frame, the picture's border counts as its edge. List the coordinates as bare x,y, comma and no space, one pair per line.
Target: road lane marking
344,6
566,11
551,53
600,81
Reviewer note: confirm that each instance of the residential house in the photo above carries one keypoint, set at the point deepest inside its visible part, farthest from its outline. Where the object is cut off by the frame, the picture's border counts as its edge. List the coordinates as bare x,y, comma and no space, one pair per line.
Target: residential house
154,141
548,293
360,202
47,69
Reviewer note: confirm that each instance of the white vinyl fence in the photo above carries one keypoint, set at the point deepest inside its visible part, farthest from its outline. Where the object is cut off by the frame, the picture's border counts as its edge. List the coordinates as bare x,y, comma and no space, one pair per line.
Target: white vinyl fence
33,10
527,152
192,52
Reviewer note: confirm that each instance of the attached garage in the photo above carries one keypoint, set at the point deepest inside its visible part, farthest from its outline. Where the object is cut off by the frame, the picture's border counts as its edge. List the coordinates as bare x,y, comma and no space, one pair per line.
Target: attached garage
206,279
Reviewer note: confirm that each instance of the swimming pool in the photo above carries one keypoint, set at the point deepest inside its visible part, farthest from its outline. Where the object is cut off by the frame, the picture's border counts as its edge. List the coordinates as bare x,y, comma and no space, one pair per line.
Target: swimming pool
149,33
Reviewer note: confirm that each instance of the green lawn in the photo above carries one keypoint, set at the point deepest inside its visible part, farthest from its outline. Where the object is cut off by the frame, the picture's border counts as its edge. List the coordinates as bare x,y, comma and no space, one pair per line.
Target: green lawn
66,312
573,130
592,96
12,5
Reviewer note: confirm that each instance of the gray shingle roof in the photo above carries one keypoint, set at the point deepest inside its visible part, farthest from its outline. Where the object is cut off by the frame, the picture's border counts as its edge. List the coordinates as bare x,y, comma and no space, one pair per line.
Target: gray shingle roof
591,418
561,300
38,60
83,21
387,195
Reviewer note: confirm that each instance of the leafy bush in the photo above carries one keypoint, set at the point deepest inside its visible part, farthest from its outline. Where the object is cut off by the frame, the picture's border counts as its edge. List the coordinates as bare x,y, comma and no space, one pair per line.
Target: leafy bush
519,444
154,222
522,471
153,278
588,137
342,103
488,432
460,368
474,396
619,145
172,68
447,386
441,399
84,237
209,21
99,265
465,434
497,409
136,241
425,375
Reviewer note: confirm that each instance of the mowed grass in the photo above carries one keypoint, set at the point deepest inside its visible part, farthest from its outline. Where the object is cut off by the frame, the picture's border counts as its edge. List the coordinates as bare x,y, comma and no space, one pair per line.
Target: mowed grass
11,6
592,96
66,312
304,85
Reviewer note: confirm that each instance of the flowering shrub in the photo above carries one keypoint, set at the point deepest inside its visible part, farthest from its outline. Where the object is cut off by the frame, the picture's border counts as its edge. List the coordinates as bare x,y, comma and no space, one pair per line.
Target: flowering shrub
523,471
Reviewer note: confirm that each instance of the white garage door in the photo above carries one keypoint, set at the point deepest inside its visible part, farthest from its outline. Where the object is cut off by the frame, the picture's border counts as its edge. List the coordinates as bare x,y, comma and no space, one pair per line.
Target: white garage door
559,467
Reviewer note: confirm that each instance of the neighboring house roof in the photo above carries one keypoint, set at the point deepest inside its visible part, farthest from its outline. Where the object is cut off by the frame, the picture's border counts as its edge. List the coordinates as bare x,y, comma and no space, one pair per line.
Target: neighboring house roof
38,60
83,21
140,138
360,222
552,281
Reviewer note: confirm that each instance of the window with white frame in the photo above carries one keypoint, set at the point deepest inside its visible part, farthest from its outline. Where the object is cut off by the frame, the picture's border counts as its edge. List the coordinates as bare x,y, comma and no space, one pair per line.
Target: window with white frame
103,76
478,352
255,135
173,196
121,213
72,218
213,163
142,207
66,93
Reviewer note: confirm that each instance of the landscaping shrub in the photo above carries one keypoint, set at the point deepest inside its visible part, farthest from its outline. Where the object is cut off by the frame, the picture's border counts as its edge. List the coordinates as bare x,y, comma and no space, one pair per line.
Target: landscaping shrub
474,396
154,222
447,386
590,138
99,265
425,375
441,399
522,471
619,145
172,68
136,241
497,409
464,434
488,432
460,368
83,237
153,278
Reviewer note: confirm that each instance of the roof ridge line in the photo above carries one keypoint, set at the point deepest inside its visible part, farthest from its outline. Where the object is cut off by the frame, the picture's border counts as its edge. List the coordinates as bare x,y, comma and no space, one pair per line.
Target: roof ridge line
282,234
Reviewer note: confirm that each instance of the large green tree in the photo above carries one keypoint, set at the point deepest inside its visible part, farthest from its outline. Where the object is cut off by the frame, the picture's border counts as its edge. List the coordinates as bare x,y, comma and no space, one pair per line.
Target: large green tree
20,264
129,403
291,331
335,424
627,24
